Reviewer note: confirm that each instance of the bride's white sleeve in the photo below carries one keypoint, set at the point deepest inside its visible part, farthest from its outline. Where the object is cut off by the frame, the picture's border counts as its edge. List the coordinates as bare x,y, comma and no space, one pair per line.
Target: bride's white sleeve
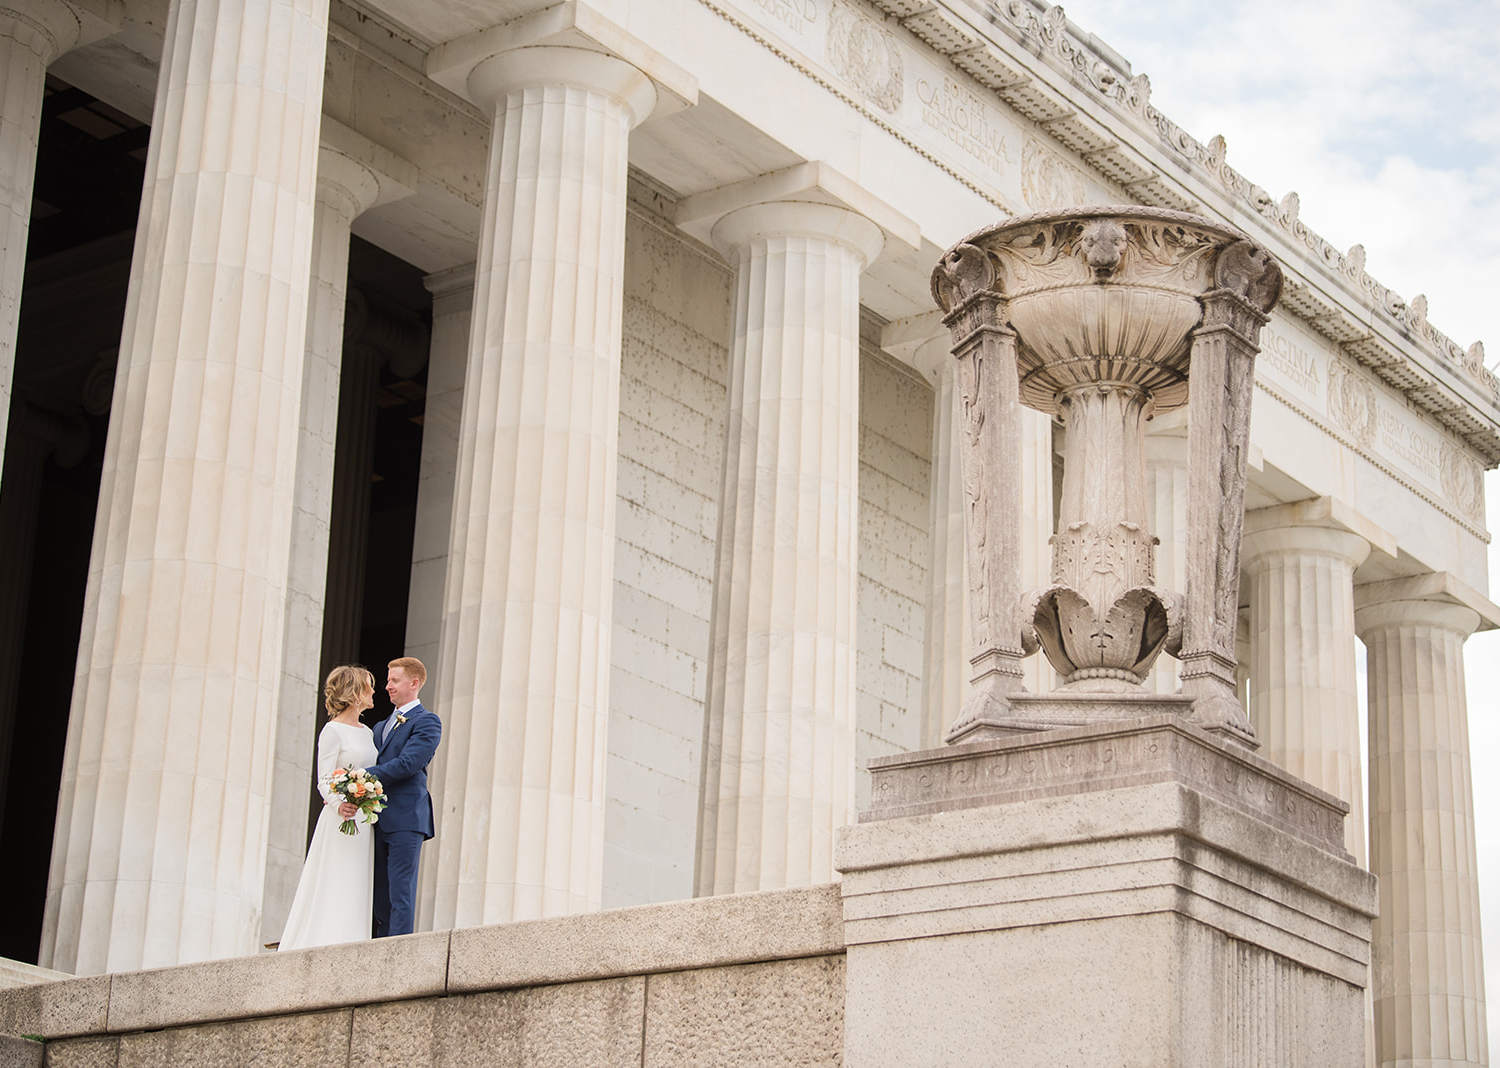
328,760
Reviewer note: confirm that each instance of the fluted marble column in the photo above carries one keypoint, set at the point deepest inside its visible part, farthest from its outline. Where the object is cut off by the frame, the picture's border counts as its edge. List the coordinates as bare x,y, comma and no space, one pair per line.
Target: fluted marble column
1166,501
33,33
1305,705
925,343
779,766
343,595
1428,958
346,188
159,854
945,676
530,581
452,305
1036,533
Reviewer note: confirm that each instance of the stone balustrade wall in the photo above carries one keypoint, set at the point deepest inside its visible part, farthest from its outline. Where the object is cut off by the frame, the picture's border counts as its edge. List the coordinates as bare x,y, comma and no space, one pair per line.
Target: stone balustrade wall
747,979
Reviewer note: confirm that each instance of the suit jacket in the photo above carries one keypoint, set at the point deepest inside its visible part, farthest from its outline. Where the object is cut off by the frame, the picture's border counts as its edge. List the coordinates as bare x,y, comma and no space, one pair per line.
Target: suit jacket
401,767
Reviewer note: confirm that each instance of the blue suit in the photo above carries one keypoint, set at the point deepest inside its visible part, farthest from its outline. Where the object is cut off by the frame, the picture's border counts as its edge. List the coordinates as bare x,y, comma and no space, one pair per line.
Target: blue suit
401,766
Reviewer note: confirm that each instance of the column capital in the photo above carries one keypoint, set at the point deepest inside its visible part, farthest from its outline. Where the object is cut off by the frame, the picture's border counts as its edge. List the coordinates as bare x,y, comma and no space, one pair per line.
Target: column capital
1437,598
1262,547
341,179
455,281
787,201
921,341
62,436
368,174
1323,525
796,218
481,66
54,27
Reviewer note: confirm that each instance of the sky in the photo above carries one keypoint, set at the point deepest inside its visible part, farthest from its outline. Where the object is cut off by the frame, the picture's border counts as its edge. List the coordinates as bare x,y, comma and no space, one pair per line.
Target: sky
1384,117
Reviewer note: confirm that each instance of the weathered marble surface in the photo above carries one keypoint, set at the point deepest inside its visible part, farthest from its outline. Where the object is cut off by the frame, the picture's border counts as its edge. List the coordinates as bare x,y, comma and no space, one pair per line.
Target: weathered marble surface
1109,755
737,980
1195,907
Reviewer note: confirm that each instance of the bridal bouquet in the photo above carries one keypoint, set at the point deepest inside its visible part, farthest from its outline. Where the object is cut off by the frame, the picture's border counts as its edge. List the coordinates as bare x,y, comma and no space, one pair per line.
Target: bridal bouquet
360,789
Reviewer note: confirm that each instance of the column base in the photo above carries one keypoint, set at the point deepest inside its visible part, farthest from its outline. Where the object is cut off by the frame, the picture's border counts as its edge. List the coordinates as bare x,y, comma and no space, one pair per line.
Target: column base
1134,893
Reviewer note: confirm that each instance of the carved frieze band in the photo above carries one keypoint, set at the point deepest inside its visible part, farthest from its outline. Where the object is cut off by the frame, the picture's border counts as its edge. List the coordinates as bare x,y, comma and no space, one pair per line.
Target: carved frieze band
1311,377
797,14
1047,180
867,55
1328,427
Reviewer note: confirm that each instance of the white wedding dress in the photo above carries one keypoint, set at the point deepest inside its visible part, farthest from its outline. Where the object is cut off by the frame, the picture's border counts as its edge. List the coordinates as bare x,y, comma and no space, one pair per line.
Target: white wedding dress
336,893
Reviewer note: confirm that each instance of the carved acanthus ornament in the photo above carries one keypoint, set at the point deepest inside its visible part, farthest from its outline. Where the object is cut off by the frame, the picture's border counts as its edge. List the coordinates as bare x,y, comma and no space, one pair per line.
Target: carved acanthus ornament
1105,316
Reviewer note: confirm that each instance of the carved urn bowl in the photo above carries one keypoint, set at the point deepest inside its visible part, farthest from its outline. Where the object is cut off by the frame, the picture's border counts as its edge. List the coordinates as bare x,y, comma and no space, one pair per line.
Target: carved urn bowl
1104,294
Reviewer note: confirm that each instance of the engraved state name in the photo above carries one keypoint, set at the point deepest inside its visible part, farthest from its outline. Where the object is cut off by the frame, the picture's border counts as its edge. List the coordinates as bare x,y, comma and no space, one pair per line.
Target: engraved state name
1417,449
1291,361
963,119
793,14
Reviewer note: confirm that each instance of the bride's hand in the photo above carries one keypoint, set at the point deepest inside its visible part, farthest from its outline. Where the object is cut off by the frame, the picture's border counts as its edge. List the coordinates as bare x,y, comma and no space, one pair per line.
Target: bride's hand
347,811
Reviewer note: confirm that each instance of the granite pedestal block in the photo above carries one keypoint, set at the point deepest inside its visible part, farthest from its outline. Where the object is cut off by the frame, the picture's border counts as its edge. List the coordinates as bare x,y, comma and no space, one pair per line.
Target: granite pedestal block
1131,894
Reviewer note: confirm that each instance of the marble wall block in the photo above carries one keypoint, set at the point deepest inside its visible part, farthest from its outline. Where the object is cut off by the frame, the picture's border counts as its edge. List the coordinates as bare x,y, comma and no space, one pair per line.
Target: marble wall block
674,367
894,473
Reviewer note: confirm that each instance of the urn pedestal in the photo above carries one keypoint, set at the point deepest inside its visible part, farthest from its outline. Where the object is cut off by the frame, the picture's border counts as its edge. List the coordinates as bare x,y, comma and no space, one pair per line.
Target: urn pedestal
1131,893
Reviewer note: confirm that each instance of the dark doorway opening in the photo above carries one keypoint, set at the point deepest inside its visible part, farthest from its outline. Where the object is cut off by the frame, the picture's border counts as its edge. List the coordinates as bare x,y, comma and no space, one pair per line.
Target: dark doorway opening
90,168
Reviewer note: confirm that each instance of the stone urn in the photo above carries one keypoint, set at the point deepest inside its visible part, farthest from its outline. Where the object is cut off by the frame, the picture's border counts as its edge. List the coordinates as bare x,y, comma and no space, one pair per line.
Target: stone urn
1105,316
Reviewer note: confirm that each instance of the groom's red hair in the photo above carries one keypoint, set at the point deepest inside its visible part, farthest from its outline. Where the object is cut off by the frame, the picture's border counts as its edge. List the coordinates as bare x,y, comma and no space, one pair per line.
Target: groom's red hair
413,667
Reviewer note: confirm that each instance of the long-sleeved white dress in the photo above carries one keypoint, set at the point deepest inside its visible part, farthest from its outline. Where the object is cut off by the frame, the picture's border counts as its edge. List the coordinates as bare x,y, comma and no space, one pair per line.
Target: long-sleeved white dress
337,890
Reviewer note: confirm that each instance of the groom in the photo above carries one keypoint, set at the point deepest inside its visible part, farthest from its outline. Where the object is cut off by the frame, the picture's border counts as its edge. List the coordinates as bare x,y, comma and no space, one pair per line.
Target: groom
405,741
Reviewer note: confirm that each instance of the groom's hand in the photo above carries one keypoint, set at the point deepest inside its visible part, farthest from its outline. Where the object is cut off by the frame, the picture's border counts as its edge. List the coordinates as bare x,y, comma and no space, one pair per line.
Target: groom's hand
347,811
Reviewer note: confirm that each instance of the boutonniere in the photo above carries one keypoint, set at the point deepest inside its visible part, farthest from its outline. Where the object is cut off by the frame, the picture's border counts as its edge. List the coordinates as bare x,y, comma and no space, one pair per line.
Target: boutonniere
400,718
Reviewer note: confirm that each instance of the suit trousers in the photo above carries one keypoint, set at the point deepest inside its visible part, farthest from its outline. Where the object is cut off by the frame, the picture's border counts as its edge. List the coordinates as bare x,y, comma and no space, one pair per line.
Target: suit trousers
397,854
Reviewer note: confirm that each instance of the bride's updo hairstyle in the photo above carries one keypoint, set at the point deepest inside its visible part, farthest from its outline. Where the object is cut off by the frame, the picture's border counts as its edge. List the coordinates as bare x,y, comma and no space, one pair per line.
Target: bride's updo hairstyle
344,686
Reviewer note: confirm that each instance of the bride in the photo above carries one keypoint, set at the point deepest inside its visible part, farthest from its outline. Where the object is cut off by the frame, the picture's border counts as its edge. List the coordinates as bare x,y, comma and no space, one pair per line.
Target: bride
336,891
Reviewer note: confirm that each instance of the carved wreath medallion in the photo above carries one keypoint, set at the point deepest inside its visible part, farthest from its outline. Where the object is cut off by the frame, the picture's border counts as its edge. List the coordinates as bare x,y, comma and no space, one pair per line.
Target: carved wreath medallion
867,56
1047,180
1463,482
1351,403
